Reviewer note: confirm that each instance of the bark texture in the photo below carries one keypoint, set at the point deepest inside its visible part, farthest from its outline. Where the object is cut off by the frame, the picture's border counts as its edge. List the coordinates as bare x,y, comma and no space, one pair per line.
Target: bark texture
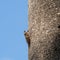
44,29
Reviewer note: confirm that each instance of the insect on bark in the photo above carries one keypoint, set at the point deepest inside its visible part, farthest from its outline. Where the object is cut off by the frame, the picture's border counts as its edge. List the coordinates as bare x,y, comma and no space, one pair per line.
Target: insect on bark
27,36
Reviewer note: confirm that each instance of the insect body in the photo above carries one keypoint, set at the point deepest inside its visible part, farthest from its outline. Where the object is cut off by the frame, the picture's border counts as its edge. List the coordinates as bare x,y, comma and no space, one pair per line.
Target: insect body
27,36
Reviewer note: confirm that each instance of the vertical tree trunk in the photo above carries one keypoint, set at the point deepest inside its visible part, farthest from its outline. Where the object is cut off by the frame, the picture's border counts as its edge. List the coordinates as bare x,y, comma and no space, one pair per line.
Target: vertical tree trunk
44,29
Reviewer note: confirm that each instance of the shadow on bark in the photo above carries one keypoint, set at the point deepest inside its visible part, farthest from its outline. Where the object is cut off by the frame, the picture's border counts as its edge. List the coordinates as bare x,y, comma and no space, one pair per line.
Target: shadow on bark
56,44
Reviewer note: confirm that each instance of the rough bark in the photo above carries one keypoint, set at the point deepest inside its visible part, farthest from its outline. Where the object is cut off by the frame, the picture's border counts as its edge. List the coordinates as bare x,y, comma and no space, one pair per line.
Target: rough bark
44,29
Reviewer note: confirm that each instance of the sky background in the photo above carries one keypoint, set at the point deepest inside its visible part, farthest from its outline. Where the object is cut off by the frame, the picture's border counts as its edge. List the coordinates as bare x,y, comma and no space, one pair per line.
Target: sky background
13,22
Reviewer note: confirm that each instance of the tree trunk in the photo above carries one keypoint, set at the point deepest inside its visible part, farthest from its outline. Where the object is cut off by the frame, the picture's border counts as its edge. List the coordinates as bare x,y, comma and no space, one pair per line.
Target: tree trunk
44,29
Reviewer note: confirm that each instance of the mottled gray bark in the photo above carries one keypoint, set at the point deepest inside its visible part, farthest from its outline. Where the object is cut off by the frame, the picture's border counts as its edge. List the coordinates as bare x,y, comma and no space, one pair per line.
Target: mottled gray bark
44,29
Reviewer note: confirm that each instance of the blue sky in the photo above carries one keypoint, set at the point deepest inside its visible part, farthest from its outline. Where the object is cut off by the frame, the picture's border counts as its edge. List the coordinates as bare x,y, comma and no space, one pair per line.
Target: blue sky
13,22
